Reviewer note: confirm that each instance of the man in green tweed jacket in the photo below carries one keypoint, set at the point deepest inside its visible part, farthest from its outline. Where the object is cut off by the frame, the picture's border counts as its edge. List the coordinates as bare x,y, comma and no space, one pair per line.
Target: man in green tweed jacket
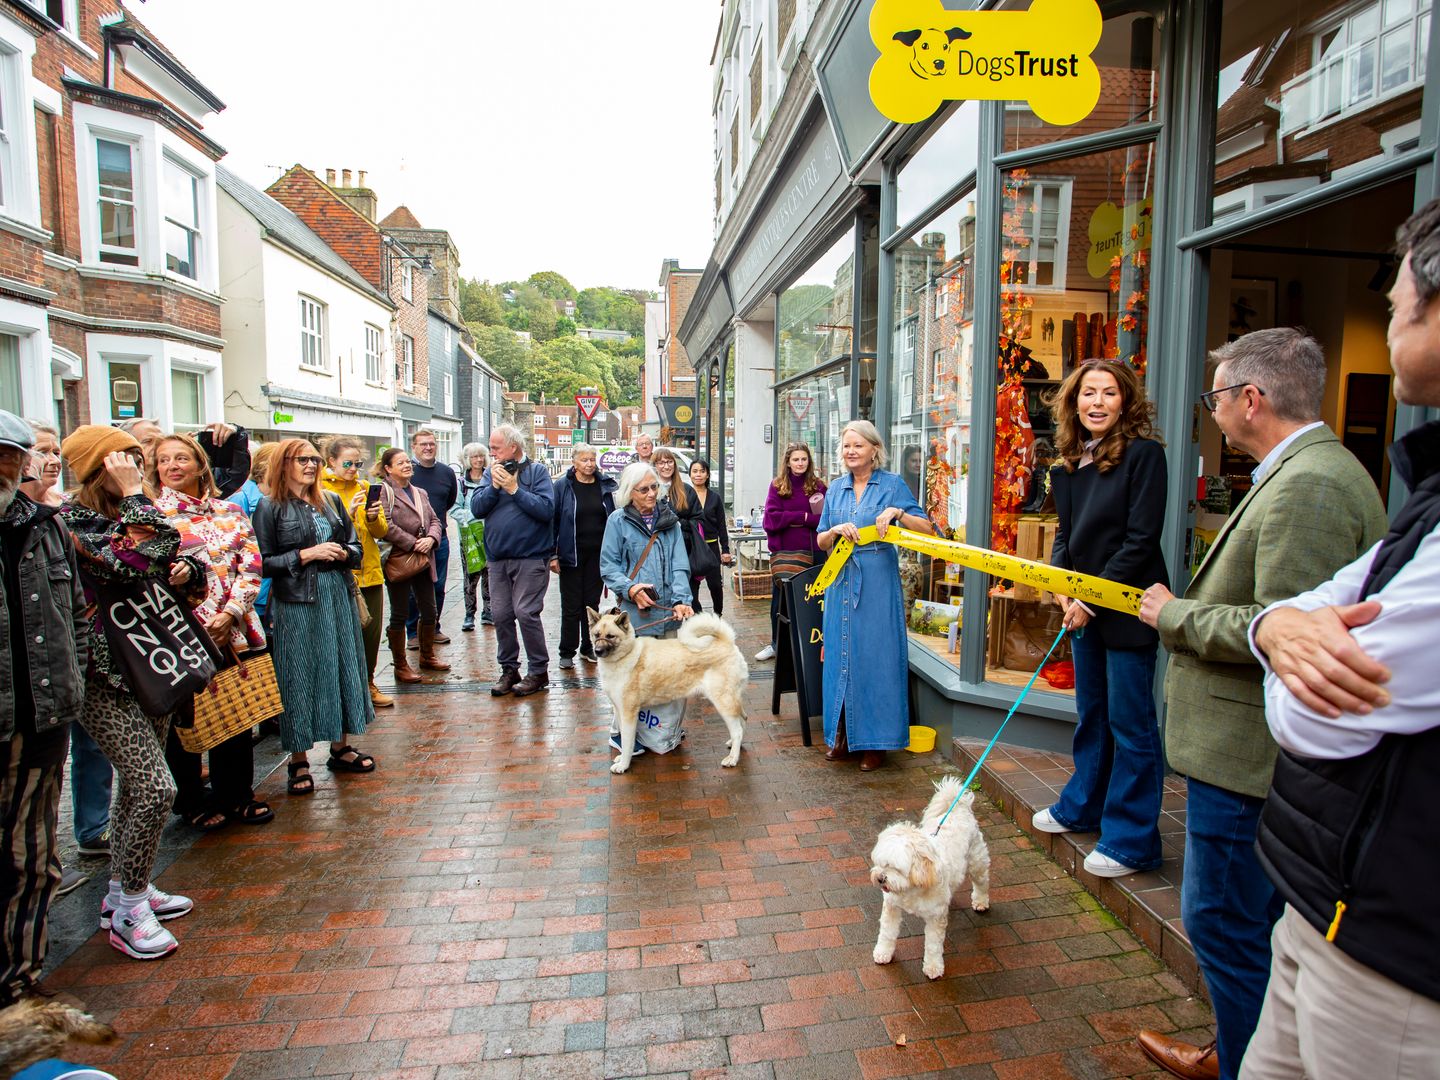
1312,510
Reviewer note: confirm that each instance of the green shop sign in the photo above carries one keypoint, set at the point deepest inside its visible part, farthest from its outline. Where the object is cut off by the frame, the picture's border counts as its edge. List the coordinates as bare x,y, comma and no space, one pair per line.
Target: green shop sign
283,417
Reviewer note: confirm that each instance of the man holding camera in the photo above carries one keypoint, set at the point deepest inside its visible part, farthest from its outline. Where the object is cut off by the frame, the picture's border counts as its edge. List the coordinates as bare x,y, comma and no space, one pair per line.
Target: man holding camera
516,500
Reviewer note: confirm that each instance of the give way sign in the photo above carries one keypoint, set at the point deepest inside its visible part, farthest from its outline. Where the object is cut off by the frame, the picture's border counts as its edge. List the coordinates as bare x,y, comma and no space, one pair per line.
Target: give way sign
588,403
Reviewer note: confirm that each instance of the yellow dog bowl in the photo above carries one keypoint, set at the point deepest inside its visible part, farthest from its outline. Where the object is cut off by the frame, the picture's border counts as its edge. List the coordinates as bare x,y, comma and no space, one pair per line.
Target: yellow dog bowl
922,740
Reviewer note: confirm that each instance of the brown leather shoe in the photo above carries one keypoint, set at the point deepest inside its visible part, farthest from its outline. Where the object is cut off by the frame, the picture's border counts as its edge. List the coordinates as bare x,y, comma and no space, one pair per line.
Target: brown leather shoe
441,638
841,750
871,760
506,683
1180,1058
532,683
404,673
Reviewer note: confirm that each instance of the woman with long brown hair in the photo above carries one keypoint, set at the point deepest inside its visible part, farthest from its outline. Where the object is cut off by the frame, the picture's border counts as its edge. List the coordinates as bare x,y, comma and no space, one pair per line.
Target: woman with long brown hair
1109,488
413,527
792,516
308,543
344,463
218,536
121,535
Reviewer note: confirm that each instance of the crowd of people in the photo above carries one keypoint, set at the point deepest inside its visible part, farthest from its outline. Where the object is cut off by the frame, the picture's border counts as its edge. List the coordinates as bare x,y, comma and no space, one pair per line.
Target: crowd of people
1299,708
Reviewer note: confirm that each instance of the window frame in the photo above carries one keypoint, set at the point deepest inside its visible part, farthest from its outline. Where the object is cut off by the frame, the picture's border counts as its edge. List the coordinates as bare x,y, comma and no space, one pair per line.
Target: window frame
374,358
313,333
194,233
448,394
407,282
407,362
176,424
120,255
1062,237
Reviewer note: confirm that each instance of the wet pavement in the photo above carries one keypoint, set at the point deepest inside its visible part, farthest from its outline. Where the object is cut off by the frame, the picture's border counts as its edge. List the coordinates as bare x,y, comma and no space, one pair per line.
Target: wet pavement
492,902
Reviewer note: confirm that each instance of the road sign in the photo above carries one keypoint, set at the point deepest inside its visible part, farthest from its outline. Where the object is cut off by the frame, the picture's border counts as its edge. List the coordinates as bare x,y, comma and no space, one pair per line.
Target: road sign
800,405
588,403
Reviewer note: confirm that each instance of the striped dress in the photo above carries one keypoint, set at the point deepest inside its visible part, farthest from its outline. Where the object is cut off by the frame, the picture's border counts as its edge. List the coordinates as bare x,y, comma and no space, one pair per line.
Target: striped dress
320,662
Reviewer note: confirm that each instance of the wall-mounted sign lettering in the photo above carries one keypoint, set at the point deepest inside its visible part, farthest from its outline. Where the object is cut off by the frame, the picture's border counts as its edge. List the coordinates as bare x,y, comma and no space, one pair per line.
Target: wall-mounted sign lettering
1117,233
930,55
283,417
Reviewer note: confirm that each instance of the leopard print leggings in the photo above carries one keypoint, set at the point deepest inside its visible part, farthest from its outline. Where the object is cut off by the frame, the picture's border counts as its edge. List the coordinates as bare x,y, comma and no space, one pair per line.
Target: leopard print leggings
135,745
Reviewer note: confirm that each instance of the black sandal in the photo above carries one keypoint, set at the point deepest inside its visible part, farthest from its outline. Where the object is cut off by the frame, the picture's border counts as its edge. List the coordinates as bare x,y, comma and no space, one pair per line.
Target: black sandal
202,820
252,813
360,763
299,785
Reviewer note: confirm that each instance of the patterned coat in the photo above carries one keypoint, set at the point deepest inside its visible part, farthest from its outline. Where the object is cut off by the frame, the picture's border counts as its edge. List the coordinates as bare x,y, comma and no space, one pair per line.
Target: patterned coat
218,534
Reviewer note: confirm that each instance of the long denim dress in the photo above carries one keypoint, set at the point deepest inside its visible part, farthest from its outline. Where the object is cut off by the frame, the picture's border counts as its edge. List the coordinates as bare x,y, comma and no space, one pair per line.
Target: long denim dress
867,666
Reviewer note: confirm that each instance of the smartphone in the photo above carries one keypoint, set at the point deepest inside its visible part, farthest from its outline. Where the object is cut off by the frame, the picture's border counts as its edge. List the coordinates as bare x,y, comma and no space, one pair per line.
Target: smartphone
649,590
372,496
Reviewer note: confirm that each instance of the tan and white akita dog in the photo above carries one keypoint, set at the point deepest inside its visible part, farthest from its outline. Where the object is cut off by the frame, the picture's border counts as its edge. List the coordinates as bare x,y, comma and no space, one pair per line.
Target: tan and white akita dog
638,672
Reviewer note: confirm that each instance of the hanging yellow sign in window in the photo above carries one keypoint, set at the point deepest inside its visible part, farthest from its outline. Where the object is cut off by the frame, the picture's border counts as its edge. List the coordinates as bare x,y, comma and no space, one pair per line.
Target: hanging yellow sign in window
930,55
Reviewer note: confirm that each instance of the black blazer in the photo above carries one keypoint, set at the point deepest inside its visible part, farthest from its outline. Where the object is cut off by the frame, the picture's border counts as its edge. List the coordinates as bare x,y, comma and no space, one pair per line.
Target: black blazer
712,517
1110,525
282,529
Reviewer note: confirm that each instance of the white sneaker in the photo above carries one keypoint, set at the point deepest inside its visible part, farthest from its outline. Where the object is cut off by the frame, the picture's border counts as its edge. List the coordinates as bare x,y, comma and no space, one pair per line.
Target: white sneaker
1045,821
767,653
1104,866
165,907
138,933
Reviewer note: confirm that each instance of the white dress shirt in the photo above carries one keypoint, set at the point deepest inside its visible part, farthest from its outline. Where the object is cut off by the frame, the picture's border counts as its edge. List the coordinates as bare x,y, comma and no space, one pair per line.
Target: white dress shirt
1268,461
1404,637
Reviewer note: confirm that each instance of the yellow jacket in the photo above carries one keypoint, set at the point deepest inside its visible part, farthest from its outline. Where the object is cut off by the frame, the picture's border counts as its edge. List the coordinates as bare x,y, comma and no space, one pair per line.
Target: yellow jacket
370,572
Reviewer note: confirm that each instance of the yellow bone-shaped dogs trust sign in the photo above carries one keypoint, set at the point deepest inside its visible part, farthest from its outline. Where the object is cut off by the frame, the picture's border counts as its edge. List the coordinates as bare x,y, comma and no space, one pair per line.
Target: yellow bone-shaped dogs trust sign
930,55
1095,591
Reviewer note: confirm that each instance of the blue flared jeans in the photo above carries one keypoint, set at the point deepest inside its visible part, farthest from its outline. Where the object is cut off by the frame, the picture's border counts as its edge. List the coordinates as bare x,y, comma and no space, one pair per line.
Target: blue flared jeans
1119,766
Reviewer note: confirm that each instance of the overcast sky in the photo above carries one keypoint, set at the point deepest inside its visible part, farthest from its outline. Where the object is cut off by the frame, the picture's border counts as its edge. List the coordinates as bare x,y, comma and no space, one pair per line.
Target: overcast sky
563,135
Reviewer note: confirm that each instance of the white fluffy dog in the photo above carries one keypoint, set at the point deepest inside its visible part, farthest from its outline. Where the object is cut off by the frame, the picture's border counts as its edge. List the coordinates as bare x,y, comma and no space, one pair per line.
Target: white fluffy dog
919,872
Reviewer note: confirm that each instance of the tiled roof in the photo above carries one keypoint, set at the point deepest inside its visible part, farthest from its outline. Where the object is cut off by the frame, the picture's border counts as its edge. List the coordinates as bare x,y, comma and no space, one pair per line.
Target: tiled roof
401,218
289,230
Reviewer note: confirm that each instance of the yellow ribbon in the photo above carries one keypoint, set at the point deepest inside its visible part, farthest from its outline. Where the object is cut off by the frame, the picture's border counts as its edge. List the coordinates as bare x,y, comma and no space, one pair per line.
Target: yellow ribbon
1095,591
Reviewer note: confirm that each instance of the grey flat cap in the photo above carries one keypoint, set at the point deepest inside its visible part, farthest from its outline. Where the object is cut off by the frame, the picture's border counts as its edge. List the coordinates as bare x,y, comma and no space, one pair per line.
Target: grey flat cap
15,432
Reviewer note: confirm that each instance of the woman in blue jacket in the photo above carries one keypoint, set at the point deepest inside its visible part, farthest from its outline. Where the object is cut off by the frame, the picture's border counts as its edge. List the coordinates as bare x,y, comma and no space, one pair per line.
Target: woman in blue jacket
584,501
644,550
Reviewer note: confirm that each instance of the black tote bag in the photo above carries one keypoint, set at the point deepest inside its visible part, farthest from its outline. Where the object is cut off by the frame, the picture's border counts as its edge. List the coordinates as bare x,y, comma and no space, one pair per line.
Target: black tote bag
155,642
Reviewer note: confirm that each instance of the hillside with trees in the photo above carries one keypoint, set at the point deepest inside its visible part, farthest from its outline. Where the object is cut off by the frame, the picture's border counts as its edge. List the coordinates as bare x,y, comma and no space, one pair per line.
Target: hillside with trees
554,360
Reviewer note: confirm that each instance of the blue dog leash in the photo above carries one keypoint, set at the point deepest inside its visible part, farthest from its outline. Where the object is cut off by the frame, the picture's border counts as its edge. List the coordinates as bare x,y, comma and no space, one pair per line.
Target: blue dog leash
996,737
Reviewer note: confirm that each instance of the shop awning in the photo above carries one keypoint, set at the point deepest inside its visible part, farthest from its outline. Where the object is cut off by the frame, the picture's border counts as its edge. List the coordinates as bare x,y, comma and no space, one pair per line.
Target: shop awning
677,413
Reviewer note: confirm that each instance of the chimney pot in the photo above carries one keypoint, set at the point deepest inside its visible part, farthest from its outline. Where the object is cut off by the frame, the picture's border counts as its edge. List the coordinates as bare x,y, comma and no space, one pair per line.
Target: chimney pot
362,177
345,177
330,177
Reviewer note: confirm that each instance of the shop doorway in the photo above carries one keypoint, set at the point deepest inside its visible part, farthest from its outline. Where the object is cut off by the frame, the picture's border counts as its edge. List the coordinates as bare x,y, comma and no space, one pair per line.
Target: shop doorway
1328,271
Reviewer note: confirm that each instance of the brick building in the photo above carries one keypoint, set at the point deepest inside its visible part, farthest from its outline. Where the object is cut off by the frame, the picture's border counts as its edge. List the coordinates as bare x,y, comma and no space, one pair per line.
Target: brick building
109,305
344,218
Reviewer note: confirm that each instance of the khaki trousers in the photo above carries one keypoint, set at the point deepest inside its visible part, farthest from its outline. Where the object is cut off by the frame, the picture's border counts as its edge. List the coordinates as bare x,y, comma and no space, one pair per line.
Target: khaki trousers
1329,1017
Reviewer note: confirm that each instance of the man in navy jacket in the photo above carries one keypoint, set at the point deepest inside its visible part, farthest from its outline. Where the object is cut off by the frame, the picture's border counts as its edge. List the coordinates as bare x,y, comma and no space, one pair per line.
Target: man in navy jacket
516,499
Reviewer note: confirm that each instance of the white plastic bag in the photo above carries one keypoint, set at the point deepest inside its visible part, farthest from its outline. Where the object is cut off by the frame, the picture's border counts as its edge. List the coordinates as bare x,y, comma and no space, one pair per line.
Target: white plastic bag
658,729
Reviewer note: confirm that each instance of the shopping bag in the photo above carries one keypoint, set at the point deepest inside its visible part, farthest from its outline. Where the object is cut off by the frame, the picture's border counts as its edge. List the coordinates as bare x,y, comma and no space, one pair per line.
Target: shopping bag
155,642
472,540
659,729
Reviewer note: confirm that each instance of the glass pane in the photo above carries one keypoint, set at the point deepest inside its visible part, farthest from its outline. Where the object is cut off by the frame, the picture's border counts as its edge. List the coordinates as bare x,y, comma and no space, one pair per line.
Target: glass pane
946,158
185,398
812,412
1129,80
127,396
117,225
1422,40
115,173
180,202
179,249
729,464
1100,262
814,318
10,374
1317,71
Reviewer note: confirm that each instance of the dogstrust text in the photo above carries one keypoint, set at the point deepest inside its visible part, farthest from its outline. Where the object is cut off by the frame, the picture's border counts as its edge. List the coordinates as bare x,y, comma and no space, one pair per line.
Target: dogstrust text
929,55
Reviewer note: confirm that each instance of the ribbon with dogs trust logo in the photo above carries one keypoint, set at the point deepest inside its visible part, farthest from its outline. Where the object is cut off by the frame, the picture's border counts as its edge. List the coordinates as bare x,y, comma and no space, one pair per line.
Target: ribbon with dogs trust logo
1095,591
930,55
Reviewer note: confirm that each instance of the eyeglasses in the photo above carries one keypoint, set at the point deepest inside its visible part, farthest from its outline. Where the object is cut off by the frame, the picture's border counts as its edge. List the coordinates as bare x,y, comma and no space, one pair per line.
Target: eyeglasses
1209,399
646,489
350,464
308,459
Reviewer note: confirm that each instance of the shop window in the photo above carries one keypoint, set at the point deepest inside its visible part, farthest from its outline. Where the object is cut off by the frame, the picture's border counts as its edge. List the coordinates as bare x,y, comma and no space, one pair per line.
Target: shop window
187,400
1302,98
814,321
942,163
127,392
1129,79
813,411
727,467
10,375
1096,306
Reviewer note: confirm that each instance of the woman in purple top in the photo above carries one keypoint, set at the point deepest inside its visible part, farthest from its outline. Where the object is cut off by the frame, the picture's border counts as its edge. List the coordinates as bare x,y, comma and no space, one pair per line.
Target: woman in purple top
792,514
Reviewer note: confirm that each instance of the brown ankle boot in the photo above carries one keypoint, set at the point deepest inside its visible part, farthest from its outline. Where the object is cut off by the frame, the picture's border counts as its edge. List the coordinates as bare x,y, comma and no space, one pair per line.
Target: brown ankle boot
428,660
404,673
841,750
380,700
872,760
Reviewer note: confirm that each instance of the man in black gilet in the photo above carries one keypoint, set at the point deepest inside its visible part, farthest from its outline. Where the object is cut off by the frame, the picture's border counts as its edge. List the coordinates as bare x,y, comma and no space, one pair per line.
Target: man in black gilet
1348,834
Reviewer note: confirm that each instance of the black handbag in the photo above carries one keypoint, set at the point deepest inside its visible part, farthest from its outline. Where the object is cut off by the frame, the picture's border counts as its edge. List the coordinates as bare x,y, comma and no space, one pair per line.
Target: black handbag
703,557
156,642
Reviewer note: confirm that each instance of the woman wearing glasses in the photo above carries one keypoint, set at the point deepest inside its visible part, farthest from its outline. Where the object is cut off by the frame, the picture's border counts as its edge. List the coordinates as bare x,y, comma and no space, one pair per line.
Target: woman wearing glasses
344,458
642,556
120,535
308,544
1109,488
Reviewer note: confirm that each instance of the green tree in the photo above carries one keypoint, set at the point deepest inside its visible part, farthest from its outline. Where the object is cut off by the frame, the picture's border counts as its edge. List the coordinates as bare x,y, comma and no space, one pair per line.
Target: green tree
552,285
565,326
510,356
569,364
481,302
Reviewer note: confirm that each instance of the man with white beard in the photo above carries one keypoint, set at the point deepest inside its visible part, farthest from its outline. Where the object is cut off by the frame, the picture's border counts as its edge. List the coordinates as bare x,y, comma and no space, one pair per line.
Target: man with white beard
42,636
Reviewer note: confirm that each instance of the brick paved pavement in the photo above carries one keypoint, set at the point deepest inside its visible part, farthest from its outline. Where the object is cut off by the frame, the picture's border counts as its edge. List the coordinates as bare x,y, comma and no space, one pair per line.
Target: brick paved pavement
493,903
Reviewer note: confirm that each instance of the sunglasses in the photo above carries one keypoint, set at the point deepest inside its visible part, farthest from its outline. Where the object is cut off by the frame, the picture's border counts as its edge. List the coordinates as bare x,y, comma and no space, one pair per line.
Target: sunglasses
308,459
646,489
350,464
1210,399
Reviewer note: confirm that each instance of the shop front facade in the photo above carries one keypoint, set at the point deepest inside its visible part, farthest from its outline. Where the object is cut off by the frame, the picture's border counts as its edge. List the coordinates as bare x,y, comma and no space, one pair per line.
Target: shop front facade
1246,167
